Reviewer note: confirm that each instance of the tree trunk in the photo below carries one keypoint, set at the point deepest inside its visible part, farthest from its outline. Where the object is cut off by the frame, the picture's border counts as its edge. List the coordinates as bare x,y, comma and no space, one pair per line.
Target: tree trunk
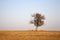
36,28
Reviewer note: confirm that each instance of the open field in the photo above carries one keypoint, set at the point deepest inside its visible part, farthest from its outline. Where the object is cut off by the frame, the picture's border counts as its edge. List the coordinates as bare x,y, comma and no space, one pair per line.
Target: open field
29,35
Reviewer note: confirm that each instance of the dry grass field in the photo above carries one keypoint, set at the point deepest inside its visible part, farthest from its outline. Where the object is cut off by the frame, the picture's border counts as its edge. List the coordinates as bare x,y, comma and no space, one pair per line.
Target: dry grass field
29,35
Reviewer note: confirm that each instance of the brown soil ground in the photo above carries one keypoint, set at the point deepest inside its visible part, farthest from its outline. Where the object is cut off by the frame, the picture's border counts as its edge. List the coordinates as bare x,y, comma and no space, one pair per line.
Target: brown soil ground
29,35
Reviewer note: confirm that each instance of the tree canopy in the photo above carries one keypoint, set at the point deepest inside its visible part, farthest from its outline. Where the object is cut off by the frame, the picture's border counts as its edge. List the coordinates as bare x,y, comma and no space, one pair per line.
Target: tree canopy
38,20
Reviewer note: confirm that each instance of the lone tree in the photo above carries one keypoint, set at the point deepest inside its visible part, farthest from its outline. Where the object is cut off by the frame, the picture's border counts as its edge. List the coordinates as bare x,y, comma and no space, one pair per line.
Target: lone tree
38,20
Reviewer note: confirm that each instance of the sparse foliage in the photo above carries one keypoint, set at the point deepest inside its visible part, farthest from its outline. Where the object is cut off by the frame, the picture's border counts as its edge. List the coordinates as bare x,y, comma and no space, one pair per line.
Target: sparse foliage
38,20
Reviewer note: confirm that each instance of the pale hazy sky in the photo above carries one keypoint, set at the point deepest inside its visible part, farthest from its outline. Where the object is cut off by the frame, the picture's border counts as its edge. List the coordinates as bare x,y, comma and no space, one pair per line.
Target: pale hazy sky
16,14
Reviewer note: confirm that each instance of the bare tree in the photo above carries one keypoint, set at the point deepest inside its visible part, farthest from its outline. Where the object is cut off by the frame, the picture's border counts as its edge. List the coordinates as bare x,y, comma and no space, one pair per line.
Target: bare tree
38,20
